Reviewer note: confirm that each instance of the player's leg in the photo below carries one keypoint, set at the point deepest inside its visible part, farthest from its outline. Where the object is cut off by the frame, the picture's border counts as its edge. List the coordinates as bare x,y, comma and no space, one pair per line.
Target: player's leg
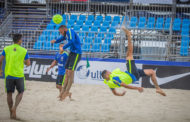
64,86
72,66
20,86
129,53
10,102
10,87
152,74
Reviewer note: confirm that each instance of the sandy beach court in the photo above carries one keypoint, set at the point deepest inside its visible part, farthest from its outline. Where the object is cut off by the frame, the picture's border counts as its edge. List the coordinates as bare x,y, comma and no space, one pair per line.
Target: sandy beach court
96,103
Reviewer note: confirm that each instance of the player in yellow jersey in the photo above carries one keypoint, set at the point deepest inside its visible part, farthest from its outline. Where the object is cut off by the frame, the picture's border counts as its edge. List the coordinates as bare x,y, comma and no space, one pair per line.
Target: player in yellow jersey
117,78
15,57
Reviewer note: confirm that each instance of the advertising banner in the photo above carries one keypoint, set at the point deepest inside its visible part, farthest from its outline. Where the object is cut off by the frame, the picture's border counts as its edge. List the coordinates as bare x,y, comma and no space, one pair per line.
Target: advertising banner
169,77
83,75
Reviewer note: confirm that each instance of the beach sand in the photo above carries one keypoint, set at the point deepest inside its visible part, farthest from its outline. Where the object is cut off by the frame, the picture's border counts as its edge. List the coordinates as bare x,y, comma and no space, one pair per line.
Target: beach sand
96,103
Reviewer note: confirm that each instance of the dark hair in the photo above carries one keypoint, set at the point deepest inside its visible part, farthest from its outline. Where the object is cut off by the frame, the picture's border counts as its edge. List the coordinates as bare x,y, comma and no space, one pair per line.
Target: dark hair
62,26
61,44
17,37
103,73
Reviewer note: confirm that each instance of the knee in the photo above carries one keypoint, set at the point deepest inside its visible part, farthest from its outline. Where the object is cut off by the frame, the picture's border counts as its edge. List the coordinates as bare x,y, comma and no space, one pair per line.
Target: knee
152,72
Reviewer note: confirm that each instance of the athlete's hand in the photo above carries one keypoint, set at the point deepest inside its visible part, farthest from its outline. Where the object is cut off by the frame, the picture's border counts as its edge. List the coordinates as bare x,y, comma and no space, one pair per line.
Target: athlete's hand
48,70
53,41
140,89
123,93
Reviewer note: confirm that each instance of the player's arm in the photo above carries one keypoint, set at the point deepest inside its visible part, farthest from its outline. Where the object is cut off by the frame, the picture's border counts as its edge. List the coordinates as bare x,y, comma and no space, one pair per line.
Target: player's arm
27,60
140,89
58,40
117,93
1,61
52,65
70,41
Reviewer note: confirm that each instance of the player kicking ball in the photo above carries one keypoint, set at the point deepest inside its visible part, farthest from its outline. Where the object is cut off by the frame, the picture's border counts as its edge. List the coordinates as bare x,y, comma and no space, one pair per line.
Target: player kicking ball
118,78
60,60
73,59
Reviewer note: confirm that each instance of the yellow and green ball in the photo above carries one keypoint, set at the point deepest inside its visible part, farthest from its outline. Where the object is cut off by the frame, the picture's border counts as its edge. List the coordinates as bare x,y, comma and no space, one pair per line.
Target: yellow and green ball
57,19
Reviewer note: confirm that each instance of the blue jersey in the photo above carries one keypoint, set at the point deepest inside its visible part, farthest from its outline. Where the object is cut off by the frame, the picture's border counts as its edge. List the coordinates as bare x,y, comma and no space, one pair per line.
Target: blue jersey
61,61
73,41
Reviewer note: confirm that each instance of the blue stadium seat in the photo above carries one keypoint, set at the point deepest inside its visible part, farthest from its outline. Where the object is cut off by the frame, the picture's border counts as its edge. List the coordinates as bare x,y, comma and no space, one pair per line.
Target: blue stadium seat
86,47
167,24
185,29
47,46
79,23
97,23
81,39
77,27
100,35
88,40
83,34
98,41
159,23
38,45
107,41
50,27
91,18
85,28
95,48
71,23
184,51
94,29
125,18
55,47
142,23
82,18
46,33
105,48
91,34
112,30
69,26
116,19
151,22
177,24
186,22
73,17
108,18
103,29
109,36
114,24
55,33
133,22
88,23
99,18
42,39
106,24
65,17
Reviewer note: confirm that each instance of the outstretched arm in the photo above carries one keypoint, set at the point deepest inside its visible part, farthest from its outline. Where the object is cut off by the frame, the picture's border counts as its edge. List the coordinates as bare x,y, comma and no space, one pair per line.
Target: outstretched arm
116,93
52,65
58,40
140,89
1,61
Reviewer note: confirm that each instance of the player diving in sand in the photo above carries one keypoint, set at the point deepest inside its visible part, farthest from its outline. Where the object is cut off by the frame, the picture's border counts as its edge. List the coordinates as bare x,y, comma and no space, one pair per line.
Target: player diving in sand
117,78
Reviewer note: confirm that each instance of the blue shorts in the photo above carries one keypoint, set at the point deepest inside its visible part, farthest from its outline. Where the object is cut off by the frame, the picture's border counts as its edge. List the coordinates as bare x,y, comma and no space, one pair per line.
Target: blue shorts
60,79
132,69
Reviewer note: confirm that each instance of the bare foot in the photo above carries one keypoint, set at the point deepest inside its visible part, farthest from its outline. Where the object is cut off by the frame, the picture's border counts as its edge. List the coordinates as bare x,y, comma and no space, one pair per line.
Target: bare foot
159,91
13,113
62,97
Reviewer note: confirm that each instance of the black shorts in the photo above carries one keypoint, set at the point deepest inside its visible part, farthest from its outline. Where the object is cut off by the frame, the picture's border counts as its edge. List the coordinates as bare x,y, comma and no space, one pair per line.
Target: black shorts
131,67
60,79
12,83
72,61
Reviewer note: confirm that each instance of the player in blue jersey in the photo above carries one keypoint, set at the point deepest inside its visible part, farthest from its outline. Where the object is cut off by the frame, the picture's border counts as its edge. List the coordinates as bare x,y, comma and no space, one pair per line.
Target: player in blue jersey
60,60
73,59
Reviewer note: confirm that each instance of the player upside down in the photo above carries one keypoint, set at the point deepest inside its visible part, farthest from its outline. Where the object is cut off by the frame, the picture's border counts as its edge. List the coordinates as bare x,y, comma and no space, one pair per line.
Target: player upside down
118,78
